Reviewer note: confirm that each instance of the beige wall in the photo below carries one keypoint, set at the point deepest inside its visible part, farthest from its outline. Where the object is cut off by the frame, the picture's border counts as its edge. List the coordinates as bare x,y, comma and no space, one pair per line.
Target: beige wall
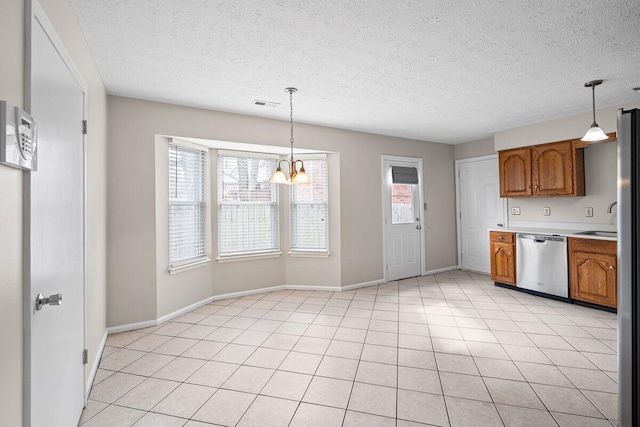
600,170
140,288
558,129
11,90
483,147
12,28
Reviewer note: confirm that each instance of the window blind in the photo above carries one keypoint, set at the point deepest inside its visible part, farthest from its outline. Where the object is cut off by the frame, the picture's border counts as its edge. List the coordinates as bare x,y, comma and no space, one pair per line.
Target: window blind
247,205
310,209
404,175
187,204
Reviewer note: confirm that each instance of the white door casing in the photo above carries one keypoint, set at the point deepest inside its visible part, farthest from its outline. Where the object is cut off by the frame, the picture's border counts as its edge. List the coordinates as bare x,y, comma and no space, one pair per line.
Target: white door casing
55,238
479,208
403,234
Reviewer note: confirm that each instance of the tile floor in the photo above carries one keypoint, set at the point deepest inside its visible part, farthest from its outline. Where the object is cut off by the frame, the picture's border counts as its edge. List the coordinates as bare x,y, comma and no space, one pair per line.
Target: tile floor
444,350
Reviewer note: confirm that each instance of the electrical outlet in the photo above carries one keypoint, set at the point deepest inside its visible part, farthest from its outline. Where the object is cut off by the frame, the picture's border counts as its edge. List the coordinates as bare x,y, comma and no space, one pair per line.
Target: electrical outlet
515,211
546,210
588,212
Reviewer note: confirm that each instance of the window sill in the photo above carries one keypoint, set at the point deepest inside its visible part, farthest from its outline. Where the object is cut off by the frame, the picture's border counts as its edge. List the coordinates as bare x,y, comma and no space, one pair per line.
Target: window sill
248,257
309,254
190,265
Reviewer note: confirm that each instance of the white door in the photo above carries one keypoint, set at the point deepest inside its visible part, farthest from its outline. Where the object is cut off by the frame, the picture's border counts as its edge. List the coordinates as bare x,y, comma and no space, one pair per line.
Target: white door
403,222
55,247
480,208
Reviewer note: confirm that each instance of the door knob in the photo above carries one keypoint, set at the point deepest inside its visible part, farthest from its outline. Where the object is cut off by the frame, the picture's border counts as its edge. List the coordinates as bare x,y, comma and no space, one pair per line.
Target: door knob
419,227
41,300
499,225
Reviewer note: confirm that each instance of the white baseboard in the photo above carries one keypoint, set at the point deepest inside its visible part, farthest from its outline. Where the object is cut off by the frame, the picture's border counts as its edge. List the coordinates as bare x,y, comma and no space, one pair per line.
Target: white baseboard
94,367
363,285
167,317
131,326
441,270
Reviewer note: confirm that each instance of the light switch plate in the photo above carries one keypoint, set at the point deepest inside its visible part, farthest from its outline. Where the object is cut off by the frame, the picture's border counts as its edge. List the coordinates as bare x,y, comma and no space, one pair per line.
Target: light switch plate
588,212
546,210
515,211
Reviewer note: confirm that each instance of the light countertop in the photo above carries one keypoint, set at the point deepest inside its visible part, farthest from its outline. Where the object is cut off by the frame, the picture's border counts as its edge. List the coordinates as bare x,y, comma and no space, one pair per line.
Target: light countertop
551,232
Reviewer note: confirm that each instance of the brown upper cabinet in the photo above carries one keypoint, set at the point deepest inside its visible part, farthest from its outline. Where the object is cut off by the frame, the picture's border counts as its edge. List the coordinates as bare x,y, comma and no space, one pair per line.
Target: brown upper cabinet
555,169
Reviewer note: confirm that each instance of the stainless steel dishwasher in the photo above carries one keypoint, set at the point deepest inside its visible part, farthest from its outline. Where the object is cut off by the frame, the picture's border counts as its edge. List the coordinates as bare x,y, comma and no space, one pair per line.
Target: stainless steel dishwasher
541,264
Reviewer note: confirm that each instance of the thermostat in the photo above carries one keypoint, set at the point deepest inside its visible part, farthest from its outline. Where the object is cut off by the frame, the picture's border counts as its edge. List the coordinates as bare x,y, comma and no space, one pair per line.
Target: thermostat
18,138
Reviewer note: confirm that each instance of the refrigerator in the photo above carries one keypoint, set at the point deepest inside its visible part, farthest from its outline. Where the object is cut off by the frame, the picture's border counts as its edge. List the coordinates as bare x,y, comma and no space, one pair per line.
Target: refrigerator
628,261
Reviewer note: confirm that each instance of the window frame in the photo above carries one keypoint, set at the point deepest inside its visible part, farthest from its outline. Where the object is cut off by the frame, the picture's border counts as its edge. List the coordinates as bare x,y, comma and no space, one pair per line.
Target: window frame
253,254
202,259
306,252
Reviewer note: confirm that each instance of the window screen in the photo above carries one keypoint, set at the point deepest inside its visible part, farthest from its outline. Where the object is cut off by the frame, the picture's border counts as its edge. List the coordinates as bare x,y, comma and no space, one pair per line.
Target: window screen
310,209
187,204
247,205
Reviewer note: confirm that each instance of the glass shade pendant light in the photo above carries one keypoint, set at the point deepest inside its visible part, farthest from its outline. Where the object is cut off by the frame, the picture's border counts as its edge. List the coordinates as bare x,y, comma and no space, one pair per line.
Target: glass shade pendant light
296,177
594,134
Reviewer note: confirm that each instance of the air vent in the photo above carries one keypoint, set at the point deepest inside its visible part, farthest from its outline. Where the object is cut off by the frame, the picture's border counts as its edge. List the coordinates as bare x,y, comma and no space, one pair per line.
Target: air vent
265,103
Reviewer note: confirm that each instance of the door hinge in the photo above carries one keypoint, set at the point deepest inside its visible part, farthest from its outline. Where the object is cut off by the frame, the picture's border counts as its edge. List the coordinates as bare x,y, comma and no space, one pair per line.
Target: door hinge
385,221
84,127
387,267
85,356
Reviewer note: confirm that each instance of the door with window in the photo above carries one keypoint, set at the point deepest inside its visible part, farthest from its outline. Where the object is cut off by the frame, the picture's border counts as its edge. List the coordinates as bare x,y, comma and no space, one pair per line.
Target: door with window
402,202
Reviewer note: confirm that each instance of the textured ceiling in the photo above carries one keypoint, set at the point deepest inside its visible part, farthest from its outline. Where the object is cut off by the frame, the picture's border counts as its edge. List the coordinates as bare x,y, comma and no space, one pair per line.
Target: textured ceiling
446,71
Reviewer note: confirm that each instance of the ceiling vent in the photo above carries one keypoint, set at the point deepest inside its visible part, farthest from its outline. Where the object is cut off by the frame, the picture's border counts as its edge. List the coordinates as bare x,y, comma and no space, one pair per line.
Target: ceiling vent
265,103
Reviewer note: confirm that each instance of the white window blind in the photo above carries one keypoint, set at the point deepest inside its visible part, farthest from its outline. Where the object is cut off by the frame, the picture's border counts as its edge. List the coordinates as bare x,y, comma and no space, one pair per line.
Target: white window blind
247,204
310,209
187,204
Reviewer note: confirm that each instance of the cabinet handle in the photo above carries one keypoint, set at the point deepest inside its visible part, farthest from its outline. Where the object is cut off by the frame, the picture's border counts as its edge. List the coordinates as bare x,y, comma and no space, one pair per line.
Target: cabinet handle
501,237
509,253
611,267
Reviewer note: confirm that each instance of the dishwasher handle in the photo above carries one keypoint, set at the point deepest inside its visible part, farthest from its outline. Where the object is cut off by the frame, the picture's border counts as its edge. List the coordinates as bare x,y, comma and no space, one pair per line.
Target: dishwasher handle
541,238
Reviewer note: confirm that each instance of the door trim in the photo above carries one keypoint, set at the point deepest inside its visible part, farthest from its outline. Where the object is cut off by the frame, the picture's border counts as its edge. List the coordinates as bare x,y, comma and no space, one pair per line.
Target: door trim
35,15
422,217
458,202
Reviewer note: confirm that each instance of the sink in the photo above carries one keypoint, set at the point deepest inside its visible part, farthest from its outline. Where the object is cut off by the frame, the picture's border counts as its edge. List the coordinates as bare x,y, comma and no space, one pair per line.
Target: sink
599,233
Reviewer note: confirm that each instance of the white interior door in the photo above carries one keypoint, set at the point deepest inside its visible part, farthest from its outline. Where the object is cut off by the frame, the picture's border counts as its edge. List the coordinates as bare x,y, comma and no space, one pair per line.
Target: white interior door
480,208
55,248
403,223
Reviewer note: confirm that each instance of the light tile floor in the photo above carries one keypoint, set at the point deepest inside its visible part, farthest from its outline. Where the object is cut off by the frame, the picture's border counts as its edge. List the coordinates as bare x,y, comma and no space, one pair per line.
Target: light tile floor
448,349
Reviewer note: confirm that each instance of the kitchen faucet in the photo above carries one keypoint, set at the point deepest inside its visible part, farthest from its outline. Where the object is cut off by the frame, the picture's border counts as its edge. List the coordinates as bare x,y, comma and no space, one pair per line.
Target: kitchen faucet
611,206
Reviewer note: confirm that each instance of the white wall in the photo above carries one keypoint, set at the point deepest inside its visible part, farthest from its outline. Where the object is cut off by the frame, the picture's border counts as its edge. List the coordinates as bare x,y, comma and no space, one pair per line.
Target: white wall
12,29
139,287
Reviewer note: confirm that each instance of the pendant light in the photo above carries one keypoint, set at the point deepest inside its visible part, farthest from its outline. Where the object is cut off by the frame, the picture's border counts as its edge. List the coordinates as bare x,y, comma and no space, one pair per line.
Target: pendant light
296,177
594,134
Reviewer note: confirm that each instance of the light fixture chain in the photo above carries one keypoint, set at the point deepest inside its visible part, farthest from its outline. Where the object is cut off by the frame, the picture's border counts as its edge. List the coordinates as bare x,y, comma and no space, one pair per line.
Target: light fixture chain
291,116
593,101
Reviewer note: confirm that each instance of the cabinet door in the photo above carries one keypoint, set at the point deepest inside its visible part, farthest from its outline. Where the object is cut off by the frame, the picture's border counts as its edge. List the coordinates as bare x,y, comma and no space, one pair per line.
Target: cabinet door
552,169
503,263
593,278
515,172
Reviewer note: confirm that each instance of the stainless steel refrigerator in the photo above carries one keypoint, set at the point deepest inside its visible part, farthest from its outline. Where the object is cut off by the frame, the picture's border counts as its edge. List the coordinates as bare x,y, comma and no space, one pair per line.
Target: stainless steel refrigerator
628,260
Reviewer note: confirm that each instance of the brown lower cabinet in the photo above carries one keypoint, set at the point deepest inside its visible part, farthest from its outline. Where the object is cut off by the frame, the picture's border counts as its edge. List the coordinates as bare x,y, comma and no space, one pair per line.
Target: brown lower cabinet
503,257
592,271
